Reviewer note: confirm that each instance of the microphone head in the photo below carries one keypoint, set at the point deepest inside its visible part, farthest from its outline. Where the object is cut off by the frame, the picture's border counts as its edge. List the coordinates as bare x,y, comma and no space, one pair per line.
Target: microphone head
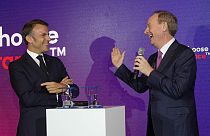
141,51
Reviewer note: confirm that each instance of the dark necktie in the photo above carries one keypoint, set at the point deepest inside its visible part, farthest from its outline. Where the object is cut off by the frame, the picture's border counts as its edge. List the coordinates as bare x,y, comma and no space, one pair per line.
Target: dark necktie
42,64
159,58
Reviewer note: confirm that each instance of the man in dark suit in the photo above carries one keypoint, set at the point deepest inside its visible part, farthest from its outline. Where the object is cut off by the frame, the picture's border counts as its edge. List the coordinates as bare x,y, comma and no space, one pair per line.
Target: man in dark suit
37,81
170,76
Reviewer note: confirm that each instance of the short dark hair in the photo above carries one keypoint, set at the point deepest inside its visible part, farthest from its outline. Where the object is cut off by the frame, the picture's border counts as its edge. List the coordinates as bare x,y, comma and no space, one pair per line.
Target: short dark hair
169,18
28,27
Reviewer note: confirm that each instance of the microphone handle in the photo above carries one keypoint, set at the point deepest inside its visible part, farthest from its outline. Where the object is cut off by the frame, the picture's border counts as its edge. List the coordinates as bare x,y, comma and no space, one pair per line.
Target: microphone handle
136,72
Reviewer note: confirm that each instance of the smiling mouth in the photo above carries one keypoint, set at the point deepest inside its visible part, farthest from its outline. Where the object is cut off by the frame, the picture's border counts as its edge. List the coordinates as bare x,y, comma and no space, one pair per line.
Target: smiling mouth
150,35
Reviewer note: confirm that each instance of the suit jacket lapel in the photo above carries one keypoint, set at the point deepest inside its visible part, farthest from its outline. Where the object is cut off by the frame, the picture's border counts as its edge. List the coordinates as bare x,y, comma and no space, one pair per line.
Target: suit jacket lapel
33,65
168,56
31,62
153,59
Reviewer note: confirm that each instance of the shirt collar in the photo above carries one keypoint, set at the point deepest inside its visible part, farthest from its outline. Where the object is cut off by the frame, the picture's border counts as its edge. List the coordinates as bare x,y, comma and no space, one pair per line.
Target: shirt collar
34,55
166,46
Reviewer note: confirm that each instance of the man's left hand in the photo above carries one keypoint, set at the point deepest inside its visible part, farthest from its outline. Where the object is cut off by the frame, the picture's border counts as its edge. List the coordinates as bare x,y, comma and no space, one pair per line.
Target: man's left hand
66,80
53,87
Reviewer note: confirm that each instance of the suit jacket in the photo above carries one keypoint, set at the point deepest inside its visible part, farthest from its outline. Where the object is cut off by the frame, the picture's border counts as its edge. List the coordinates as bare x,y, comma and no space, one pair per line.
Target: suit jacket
26,77
171,110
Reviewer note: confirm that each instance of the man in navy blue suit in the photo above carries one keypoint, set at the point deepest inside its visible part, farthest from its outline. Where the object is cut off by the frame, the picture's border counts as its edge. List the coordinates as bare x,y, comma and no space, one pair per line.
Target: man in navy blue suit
170,76
38,80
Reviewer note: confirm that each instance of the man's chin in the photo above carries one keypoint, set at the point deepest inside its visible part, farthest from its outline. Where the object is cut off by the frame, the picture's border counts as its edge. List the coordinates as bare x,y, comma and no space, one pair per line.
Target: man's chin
151,42
46,50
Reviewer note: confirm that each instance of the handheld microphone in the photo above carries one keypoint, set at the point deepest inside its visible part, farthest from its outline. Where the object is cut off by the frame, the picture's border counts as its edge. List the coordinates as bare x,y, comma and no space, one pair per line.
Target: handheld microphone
140,53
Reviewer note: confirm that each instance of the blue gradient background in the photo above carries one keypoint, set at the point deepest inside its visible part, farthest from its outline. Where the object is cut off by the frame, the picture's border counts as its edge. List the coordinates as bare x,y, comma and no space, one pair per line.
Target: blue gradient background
89,29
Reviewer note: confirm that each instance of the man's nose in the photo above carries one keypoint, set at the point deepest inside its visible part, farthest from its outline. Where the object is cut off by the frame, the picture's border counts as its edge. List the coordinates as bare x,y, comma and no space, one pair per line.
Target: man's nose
146,31
48,38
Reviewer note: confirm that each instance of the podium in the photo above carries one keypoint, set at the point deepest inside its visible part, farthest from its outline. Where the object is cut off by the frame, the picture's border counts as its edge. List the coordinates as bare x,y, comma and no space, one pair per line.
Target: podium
107,121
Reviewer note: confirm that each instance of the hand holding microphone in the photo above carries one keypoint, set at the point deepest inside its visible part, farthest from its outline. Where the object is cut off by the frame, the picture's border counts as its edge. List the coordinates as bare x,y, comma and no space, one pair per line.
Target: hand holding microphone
141,64
139,53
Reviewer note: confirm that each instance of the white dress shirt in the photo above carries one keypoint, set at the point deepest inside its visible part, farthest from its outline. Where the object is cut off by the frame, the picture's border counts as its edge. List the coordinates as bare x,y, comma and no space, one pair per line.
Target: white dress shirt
34,55
166,46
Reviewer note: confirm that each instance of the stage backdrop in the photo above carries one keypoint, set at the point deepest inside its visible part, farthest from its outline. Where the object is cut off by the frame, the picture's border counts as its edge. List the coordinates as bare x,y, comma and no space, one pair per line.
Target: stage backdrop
83,34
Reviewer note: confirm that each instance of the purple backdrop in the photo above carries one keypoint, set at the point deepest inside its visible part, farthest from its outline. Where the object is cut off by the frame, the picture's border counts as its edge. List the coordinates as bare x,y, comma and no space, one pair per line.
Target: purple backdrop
87,31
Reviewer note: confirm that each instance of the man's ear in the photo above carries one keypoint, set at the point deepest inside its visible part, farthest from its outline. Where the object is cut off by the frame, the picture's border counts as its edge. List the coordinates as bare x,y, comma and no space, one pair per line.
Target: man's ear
28,39
164,26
